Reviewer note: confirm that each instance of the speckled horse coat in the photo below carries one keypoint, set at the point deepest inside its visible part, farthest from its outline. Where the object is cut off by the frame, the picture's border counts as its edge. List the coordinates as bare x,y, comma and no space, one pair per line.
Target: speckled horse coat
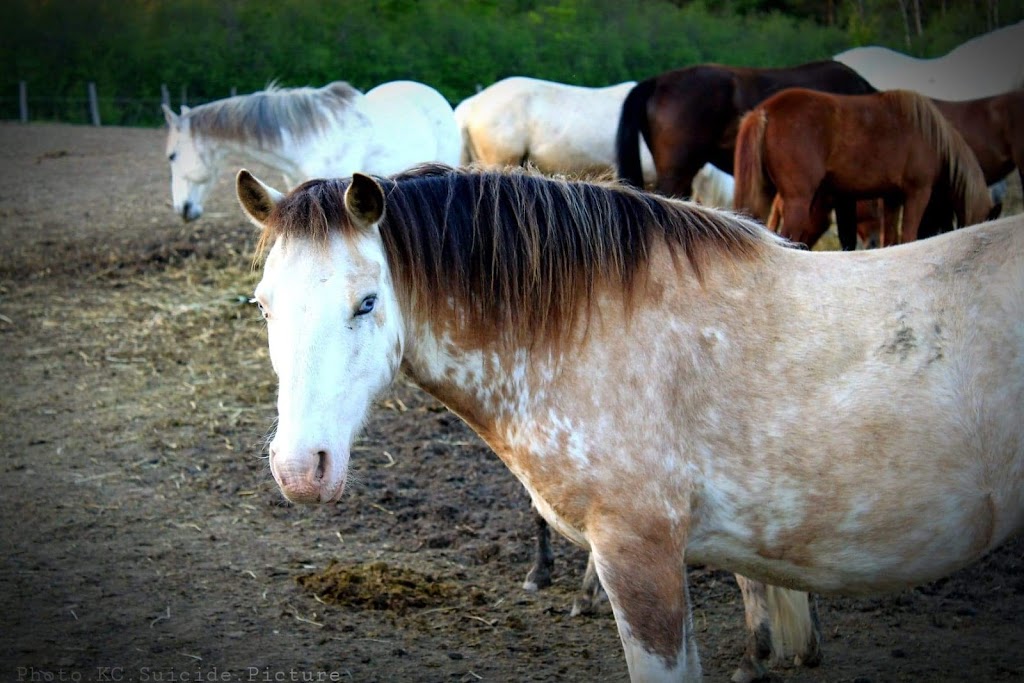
658,384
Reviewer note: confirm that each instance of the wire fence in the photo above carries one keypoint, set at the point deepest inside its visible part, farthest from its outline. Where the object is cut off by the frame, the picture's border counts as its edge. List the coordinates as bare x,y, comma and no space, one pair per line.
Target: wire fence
90,108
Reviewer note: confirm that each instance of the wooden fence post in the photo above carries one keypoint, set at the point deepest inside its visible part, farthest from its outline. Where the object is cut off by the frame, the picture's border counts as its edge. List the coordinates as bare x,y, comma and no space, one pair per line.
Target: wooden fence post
165,95
94,105
184,92
23,100
234,91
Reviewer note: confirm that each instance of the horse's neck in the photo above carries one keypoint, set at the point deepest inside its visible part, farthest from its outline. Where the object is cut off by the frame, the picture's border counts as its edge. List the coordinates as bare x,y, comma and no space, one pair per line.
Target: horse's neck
284,159
487,385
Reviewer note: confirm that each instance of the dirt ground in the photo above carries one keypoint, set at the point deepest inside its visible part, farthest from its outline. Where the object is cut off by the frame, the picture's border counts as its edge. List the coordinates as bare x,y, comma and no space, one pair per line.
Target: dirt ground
144,539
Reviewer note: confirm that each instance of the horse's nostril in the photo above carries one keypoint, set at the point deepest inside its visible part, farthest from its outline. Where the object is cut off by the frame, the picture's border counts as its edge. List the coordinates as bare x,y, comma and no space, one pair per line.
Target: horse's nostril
321,464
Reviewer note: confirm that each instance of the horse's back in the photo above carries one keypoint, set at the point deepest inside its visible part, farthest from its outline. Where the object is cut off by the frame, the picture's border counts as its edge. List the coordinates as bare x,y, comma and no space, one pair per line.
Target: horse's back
899,371
978,68
413,123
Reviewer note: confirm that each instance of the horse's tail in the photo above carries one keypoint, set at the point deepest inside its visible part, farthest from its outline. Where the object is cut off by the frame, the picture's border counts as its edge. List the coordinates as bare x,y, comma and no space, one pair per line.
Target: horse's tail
971,199
633,123
754,190
794,631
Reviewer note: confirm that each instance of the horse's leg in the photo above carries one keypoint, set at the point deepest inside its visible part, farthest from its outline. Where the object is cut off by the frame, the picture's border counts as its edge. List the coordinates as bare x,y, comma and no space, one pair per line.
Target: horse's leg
645,577
539,575
938,216
775,214
781,624
914,206
590,593
677,161
846,222
870,222
759,633
804,220
889,233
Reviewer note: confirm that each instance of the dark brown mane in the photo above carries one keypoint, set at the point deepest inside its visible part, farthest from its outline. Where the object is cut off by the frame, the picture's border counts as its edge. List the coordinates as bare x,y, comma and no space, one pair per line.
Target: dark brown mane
522,252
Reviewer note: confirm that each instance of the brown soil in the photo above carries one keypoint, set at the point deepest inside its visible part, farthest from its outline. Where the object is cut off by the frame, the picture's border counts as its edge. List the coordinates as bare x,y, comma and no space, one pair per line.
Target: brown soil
144,537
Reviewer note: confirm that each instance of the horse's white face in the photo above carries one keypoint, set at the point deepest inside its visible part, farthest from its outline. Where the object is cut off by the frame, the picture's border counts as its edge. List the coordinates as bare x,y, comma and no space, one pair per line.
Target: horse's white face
335,335
193,166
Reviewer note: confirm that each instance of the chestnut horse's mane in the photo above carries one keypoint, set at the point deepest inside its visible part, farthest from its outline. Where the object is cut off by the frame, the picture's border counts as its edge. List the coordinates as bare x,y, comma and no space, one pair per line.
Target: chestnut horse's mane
523,253
965,177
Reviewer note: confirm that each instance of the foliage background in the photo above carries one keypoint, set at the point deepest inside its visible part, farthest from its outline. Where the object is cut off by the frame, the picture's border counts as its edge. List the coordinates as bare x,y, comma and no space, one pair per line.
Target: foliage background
201,49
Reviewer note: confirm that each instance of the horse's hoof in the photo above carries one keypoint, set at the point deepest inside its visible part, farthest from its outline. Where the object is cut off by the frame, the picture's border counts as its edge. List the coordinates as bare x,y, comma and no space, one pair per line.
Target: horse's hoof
537,579
748,672
811,658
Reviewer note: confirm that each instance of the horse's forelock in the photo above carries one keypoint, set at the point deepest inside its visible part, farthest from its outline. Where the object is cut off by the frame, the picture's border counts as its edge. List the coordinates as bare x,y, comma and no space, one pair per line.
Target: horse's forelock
311,211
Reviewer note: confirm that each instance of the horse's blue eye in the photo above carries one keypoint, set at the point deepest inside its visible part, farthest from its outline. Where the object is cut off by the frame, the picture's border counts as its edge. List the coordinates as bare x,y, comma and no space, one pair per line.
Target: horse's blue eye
367,305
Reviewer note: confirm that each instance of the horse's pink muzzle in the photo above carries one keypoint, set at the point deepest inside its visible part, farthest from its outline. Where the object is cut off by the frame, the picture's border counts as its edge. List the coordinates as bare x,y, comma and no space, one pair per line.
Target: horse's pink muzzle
307,476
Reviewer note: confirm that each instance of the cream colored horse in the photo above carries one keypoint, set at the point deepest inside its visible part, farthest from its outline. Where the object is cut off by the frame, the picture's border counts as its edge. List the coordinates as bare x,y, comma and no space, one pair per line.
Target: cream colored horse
987,65
671,384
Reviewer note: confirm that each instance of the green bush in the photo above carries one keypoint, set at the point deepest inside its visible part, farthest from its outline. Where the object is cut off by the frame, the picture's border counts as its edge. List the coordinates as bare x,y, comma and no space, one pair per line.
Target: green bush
207,47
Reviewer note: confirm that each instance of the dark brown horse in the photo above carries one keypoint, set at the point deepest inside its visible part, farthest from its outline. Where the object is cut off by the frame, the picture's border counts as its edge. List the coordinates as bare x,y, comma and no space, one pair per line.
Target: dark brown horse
993,128
689,117
821,151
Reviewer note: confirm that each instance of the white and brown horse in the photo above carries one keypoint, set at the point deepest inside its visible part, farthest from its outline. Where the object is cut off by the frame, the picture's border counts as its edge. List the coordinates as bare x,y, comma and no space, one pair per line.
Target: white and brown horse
652,371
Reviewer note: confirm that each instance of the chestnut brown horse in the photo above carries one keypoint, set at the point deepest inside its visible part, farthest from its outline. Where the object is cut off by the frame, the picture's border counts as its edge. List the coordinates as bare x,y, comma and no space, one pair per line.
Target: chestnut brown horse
993,127
821,152
689,117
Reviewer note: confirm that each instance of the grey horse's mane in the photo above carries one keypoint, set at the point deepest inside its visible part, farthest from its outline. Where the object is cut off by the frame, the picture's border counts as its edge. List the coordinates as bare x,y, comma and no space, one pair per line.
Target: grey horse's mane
260,117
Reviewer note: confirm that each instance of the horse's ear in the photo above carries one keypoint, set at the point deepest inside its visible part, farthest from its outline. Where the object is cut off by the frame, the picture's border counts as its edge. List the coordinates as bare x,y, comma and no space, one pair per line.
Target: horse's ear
172,118
185,109
256,198
364,200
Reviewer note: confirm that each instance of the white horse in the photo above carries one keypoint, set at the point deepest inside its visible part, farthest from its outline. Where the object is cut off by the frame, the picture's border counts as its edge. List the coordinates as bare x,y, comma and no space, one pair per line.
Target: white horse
713,187
309,133
656,375
987,65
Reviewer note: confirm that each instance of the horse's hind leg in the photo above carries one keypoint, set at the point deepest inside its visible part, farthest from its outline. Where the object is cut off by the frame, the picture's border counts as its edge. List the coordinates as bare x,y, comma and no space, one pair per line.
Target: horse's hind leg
591,594
759,633
539,575
781,624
